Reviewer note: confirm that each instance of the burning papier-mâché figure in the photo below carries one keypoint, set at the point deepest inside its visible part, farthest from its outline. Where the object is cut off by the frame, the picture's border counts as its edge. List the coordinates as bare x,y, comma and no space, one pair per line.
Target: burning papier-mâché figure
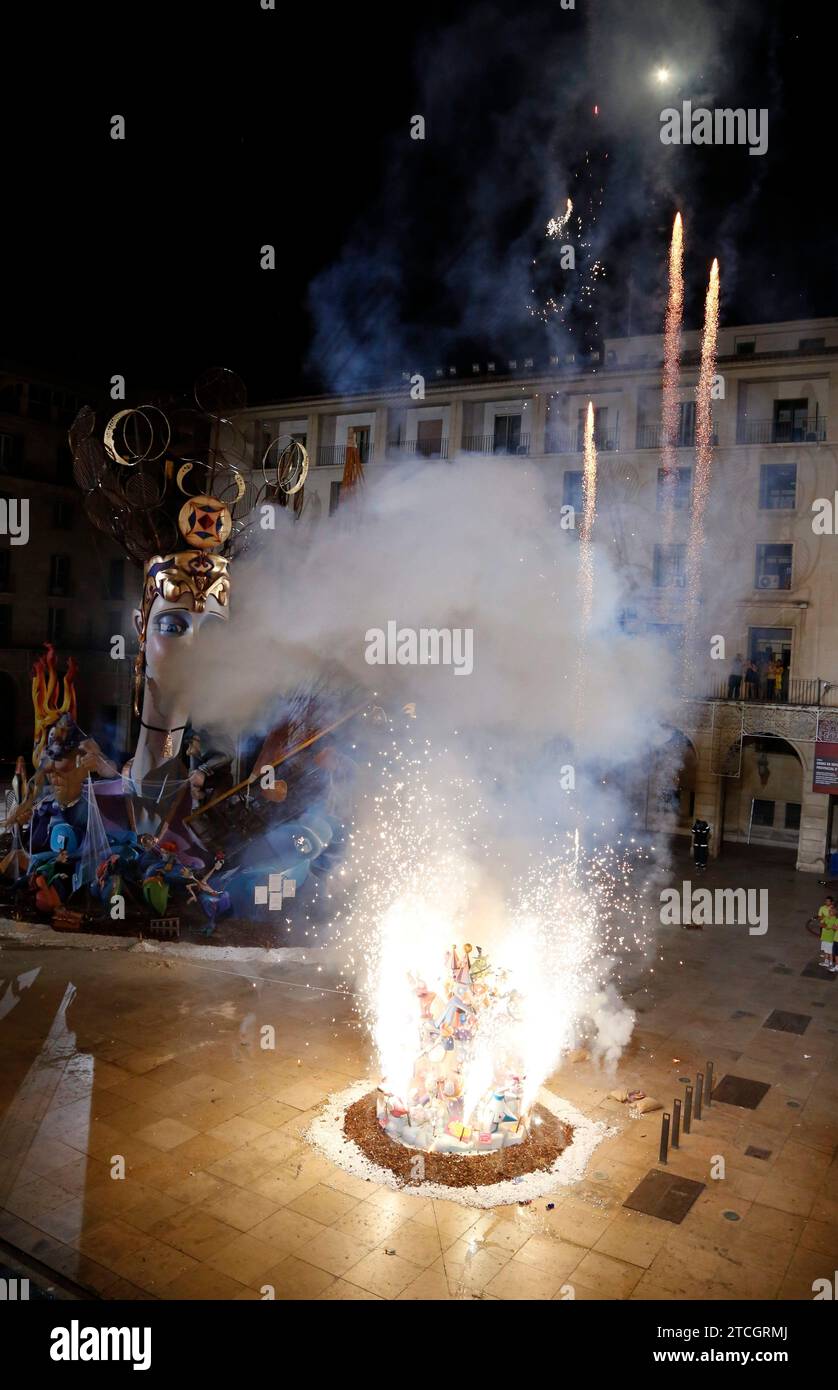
466,1095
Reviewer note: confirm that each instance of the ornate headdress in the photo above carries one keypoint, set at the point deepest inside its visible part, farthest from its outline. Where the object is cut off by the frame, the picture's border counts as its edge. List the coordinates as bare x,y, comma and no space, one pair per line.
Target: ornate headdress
174,484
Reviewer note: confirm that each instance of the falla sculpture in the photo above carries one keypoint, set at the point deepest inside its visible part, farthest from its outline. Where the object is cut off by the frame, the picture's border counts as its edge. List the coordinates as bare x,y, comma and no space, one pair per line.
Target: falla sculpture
172,833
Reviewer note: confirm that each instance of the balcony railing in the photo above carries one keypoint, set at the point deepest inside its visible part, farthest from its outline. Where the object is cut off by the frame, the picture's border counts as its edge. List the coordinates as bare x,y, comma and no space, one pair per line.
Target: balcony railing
418,448
334,455
651,437
488,444
573,441
792,692
811,431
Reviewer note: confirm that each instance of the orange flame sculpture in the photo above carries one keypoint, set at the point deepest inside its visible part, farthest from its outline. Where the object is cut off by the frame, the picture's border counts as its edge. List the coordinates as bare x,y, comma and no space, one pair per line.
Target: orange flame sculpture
49,701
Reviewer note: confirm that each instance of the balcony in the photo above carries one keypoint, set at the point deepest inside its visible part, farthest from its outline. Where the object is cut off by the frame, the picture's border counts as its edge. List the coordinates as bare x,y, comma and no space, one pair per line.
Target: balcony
488,444
810,431
651,437
809,692
418,448
334,455
606,440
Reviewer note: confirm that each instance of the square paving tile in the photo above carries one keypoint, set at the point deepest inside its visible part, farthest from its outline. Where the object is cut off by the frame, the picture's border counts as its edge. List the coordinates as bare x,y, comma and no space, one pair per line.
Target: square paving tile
741,1091
753,1152
664,1195
780,1021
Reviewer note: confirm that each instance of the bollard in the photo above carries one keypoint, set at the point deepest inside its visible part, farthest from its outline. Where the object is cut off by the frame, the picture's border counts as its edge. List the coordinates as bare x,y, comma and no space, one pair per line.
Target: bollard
688,1108
676,1123
664,1136
708,1085
699,1094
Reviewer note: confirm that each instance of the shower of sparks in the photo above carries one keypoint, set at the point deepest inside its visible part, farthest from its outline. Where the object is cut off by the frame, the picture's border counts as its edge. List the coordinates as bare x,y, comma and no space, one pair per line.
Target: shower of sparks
432,862
703,465
586,557
671,371
576,228
556,225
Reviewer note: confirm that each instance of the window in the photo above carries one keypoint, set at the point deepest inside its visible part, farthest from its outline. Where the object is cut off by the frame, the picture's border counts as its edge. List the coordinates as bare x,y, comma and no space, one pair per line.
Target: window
682,486
790,419
792,821
10,399
56,624
778,486
11,452
669,567
5,624
600,427
361,440
507,435
5,571
572,490
116,579
59,576
763,813
773,567
429,438
39,403
334,498
64,465
686,425
812,344
745,346
63,514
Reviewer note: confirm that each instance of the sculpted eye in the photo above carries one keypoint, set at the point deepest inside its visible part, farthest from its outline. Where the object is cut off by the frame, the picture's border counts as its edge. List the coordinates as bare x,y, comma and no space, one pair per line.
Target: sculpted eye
171,624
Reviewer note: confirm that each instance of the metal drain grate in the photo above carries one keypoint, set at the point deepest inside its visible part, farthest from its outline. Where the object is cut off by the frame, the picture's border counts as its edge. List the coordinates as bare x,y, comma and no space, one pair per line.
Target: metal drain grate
664,1195
782,1022
741,1091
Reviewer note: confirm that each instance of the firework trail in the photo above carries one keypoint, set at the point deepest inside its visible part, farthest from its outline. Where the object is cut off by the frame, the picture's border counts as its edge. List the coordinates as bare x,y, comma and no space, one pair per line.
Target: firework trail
703,465
671,372
586,558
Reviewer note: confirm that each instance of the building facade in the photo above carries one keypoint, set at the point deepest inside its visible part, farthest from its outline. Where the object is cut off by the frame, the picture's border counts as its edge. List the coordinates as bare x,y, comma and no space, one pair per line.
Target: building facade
744,753
67,584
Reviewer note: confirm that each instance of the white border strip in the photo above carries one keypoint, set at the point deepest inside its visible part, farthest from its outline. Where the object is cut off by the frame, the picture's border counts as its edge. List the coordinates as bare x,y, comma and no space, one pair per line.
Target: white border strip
327,1135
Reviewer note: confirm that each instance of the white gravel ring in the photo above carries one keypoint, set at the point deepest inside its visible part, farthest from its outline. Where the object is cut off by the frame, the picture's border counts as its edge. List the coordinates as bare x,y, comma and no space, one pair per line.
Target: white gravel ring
326,1134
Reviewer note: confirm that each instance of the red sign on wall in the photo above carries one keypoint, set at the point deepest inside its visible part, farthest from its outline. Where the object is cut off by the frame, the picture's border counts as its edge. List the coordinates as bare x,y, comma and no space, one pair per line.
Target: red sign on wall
825,777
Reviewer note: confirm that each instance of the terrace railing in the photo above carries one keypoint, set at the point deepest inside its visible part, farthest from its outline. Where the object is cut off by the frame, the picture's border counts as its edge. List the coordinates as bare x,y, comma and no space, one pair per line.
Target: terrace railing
809,431
572,441
488,444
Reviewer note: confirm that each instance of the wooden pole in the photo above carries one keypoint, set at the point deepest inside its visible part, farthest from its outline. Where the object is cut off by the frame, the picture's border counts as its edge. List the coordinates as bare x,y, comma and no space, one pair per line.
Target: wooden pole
298,748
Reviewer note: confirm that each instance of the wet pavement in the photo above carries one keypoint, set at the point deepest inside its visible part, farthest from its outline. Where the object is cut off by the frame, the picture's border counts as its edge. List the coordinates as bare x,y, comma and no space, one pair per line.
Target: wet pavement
151,1145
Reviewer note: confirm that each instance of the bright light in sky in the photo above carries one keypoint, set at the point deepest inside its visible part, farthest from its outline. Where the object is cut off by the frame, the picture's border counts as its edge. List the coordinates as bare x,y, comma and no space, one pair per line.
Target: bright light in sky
662,74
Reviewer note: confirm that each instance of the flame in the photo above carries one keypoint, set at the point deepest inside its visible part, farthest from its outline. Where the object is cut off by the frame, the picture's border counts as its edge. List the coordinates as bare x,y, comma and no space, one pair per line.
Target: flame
48,700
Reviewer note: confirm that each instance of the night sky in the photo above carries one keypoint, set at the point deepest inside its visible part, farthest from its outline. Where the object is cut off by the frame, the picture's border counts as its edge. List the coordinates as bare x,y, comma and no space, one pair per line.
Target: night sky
292,127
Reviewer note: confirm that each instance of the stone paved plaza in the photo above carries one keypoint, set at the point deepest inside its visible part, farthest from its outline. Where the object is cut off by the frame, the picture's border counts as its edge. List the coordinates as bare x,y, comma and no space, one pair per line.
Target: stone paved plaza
114,1051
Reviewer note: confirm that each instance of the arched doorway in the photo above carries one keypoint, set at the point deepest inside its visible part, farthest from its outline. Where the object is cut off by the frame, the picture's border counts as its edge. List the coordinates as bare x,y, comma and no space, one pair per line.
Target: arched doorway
762,805
670,787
